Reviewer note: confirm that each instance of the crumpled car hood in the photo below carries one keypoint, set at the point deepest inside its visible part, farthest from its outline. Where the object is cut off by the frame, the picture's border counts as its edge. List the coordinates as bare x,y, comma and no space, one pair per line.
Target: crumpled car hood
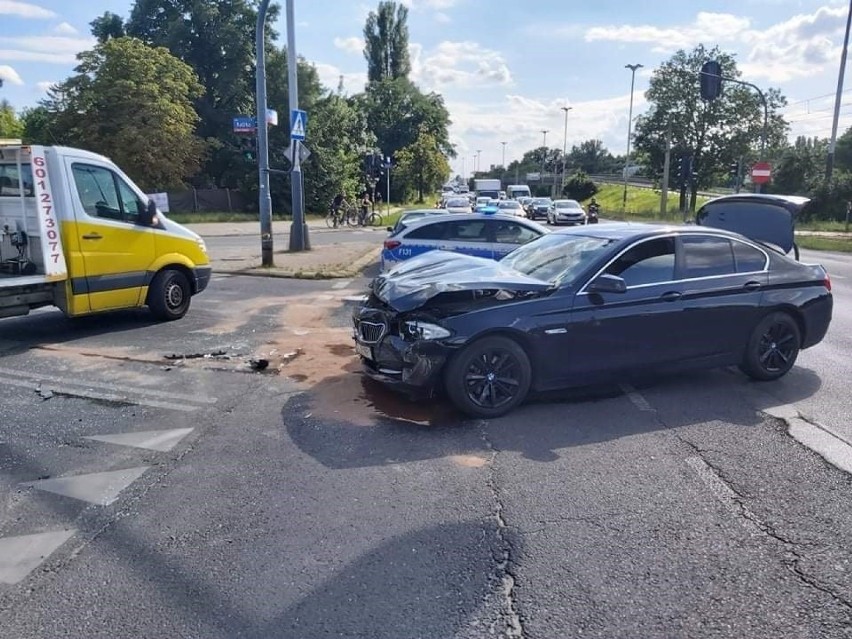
414,282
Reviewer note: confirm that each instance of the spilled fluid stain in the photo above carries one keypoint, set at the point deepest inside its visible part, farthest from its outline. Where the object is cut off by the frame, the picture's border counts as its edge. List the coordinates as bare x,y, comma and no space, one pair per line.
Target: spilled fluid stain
469,461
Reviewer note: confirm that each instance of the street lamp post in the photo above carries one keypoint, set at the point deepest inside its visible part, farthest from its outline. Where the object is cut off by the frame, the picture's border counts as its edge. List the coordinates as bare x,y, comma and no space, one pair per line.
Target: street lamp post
829,167
503,163
632,68
543,154
564,149
477,166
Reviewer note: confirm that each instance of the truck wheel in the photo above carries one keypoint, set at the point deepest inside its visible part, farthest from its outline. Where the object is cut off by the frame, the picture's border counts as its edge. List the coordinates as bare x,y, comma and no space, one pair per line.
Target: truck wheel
169,295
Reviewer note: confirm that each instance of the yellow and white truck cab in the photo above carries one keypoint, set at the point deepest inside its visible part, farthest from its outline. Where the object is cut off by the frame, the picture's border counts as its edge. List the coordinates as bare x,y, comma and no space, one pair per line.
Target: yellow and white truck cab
76,233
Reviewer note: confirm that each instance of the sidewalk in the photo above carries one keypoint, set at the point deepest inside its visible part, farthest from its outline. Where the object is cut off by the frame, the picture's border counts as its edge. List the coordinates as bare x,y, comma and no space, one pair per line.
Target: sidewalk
327,261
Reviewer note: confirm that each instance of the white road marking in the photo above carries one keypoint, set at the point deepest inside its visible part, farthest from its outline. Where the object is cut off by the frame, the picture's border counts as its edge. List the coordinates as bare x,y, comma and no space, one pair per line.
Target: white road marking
636,398
77,391
341,284
833,449
96,488
159,440
20,555
725,495
138,390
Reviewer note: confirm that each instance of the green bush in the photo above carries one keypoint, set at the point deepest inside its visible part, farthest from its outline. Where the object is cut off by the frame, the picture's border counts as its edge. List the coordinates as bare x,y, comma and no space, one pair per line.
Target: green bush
828,201
579,187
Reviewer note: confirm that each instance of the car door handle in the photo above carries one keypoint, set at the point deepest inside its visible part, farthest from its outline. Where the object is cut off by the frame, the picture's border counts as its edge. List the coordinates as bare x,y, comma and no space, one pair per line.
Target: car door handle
751,286
671,296
93,236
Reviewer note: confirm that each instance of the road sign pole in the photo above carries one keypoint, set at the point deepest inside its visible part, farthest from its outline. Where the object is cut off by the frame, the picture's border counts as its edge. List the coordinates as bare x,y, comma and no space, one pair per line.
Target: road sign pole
299,238
264,196
387,174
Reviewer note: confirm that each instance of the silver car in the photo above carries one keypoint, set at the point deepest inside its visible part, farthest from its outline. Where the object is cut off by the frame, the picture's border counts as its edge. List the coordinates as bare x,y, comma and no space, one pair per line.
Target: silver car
457,205
566,212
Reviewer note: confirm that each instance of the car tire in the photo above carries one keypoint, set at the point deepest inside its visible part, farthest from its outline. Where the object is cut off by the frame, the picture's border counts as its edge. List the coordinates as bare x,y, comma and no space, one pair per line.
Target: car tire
772,348
489,377
169,295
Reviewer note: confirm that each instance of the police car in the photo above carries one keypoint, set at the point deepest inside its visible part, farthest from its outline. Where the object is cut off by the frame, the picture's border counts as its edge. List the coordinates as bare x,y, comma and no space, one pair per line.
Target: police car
490,236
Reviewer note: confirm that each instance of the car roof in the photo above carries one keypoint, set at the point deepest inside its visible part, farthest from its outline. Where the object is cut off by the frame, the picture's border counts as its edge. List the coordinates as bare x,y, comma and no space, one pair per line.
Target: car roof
461,217
629,231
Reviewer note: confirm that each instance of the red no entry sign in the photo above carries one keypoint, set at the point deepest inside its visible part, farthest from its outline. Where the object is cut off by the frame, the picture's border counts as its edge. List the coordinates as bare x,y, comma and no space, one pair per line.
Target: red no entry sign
761,172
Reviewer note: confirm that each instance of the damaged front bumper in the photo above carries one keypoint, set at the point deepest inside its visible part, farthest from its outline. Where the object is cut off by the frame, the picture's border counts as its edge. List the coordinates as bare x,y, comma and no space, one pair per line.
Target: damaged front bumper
410,366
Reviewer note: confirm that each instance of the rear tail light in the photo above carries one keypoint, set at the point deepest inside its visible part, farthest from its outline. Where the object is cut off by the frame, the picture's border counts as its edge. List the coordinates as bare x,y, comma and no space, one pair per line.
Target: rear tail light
392,244
827,282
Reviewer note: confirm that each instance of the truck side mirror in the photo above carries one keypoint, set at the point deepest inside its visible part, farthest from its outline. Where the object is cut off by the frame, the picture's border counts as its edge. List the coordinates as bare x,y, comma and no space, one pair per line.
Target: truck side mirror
149,216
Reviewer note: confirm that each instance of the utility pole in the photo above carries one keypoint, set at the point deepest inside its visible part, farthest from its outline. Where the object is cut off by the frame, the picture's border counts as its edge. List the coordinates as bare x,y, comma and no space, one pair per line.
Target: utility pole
829,163
263,194
564,150
632,68
543,154
503,163
664,197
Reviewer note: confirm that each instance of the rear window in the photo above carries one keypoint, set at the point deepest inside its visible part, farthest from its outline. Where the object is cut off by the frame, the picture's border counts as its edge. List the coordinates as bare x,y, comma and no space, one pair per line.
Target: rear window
705,256
748,258
10,183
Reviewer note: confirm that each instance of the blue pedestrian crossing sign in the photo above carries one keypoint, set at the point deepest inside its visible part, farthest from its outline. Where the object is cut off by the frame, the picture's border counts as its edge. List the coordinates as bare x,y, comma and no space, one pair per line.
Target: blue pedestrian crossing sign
298,124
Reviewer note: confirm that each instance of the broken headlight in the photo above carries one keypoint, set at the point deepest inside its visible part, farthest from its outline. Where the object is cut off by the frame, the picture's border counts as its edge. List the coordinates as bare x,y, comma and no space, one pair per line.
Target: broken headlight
424,330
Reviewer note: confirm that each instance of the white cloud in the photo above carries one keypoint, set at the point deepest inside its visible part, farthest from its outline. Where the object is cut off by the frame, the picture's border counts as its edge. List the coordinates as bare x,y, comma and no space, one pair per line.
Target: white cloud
44,86
50,49
8,74
800,46
63,28
351,44
24,10
442,18
329,75
465,64
519,120
429,4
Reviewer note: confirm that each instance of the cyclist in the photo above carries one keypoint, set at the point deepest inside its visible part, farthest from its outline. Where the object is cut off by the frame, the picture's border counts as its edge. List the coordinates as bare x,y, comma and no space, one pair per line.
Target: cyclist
337,205
365,208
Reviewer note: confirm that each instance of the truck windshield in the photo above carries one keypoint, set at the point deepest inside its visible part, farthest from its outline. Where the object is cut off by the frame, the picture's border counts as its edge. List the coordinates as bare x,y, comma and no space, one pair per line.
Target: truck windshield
10,180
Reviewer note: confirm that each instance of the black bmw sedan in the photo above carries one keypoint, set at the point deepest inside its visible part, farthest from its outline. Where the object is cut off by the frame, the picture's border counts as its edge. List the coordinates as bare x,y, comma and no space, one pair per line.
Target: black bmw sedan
586,305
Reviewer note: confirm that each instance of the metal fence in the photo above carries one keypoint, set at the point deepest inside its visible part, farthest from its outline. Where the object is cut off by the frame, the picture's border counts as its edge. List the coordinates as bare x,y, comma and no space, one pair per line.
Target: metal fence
194,200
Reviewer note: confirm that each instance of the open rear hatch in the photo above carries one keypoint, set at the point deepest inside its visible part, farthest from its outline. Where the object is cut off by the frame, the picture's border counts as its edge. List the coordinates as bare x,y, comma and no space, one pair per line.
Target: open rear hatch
770,219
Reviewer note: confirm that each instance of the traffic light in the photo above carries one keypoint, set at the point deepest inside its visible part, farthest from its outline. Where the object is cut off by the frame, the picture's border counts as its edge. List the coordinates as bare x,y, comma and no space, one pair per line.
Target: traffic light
248,146
710,80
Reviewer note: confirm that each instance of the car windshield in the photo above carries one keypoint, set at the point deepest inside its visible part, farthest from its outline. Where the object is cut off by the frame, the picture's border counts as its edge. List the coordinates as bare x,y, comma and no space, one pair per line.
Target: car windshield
509,205
567,204
541,201
557,258
457,203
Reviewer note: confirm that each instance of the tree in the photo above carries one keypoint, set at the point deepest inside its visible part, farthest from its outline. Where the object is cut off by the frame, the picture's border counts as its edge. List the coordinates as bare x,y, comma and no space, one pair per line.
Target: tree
108,26
397,111
801,167
10,125
40,126
421,166
715,133
216,38
590,157
386,42
133,103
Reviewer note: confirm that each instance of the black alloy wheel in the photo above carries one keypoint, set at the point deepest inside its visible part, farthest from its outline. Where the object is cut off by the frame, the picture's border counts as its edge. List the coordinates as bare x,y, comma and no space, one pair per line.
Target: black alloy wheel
773,347
489,377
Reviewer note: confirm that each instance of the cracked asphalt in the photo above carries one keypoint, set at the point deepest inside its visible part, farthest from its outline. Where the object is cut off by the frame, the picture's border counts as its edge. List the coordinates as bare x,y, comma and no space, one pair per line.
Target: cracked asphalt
310,503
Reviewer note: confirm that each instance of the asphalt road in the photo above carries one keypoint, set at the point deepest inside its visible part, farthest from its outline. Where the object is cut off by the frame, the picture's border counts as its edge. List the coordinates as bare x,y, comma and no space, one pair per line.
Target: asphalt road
303,501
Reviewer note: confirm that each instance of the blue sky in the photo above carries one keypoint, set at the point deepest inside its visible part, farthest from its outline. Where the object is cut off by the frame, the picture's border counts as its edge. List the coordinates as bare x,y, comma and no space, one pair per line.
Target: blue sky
506,68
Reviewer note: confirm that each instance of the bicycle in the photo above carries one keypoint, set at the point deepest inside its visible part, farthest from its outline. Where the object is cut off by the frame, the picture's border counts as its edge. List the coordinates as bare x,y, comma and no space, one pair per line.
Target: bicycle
335,219
371,218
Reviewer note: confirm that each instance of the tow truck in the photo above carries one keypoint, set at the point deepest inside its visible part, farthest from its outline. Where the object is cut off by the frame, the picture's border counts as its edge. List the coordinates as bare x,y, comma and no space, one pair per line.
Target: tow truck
76,233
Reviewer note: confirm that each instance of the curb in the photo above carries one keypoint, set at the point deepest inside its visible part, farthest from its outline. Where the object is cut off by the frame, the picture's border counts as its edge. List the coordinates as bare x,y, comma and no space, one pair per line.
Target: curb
330,274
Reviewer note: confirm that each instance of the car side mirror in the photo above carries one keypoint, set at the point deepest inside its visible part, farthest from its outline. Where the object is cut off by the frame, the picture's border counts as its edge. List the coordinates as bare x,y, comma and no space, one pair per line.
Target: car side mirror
390,229
607,283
